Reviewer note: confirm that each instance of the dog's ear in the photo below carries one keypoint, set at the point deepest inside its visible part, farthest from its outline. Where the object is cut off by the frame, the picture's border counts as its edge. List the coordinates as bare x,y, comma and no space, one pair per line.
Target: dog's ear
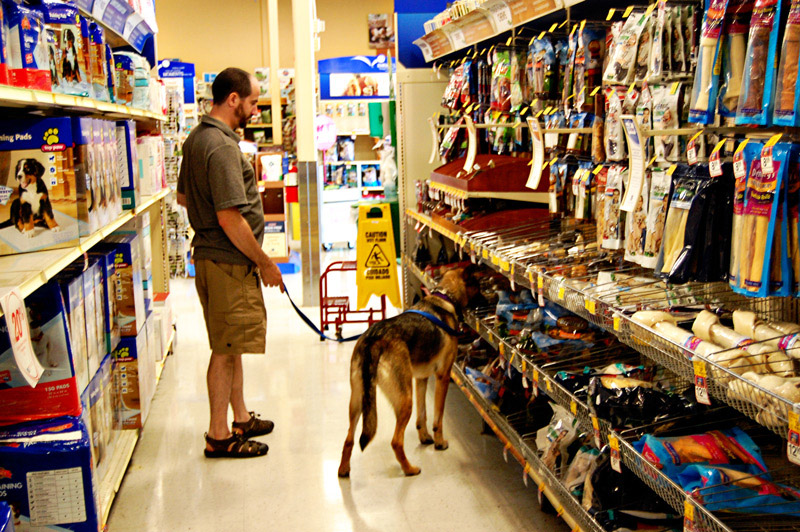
38,167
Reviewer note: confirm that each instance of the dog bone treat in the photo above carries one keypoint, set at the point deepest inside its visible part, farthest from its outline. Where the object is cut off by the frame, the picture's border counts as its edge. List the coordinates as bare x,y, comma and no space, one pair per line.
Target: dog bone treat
759,72
777,334
621,64
704,93
787,92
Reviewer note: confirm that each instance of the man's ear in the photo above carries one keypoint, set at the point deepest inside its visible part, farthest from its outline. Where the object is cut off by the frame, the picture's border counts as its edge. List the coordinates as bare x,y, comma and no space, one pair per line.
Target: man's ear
233,99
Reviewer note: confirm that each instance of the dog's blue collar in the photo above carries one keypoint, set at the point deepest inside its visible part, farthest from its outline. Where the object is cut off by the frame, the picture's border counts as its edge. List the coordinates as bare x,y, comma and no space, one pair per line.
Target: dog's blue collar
436,321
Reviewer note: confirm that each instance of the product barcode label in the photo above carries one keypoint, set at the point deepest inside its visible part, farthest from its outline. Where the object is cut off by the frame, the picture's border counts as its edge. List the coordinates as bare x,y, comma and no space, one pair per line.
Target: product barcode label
616,463
691,152
793,439
701,382
596,429
766,160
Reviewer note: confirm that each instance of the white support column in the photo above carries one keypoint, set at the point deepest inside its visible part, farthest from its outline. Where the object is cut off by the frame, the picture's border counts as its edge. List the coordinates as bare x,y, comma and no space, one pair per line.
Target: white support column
304,14
274,66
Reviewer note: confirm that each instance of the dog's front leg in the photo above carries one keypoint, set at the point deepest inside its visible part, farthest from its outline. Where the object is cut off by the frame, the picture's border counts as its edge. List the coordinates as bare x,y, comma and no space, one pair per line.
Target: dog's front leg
421,386
442,383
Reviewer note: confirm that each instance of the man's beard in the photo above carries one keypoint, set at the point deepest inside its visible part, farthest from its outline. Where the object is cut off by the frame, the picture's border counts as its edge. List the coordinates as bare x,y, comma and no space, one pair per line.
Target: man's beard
240,114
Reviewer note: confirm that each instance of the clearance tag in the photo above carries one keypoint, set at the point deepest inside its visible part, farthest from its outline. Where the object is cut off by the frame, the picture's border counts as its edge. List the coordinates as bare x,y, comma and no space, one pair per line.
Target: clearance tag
691,149
688,516
596,429
766,154
793,443
19,333
616,464
701,381
739,168
714,163
377,272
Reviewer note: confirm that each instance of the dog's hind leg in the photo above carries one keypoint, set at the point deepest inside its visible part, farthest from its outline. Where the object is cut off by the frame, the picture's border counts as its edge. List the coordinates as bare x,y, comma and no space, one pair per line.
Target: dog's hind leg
421,388
356,396
398,389
442,383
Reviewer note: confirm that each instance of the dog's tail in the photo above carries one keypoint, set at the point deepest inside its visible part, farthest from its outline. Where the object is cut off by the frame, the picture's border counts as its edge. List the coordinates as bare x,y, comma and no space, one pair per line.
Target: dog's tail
370,356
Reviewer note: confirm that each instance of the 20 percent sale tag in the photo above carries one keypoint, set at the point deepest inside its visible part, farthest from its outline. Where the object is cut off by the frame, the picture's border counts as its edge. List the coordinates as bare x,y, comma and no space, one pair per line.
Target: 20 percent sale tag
19,333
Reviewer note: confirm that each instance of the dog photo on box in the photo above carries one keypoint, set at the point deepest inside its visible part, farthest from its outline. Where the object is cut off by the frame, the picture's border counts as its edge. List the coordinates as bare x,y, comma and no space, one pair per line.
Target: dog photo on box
38,197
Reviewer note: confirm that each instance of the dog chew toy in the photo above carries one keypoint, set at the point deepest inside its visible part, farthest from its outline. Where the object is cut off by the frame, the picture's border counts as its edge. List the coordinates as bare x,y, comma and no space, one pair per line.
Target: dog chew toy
779,335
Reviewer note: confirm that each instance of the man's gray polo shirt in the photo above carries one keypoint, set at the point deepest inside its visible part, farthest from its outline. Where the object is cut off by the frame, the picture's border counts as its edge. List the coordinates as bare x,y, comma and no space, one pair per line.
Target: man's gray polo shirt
215,175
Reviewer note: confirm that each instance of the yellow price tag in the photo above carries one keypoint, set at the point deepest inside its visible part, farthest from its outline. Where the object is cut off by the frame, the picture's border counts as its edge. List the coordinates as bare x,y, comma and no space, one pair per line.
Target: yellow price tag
502,349
631,88
541,35
617,323
591,306
719,146
611,13
547,110
595,91
595,423
627,12
553,161
553,27
651,161
549,385
613,442
699,367
573,407
675,87
741,146
773,140
524,365
563,24
513,356
694,137
508,42
540,282
535,375
688,510
495,260
530,278
671,169
649,11
504,265
524,110
794,421
561,292
539,114
597,169
583,25
485,253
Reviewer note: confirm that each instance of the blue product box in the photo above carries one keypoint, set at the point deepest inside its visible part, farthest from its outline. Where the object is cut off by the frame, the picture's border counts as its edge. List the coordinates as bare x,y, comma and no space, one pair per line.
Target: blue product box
57,392
72,291
46,475
6,518
127,159
85,175
132,376
129,291
105,263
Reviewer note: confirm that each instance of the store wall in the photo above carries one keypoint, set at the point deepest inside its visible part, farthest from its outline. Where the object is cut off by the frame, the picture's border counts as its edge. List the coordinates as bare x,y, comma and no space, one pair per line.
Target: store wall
213,34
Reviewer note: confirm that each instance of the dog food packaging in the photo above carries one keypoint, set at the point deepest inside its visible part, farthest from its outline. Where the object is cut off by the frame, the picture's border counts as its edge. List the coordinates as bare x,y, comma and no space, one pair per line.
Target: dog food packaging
636,224
666,109
645,49
660,191
129,291
621,65
37,163
98,62
787,91
48,477
85,175
67,54
29,65
614,134
128,163
758,83
613,231
58,391
106,267
134,380
704,93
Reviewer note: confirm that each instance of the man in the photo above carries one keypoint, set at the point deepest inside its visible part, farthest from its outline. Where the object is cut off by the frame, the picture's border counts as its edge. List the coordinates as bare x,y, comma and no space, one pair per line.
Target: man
218,187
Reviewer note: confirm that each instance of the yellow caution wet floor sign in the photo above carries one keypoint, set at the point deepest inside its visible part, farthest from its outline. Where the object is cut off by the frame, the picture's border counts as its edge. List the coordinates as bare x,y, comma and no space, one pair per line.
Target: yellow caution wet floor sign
377,268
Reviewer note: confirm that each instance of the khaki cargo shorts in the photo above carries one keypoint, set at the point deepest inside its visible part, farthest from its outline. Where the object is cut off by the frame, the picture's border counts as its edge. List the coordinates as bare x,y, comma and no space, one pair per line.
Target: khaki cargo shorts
233,305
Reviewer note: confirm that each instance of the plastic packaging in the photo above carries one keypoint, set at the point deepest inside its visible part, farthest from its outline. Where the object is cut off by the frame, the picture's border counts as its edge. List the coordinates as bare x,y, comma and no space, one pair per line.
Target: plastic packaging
588,67
612,232
646,39
660,192
29,65
787,91
628,402
569,67
706,79
758,83
519,83
621,65
501,80
734,45
99,63
636,225
545,73
656,60
666,113
67,61
681,228
679,62
750,151
614,133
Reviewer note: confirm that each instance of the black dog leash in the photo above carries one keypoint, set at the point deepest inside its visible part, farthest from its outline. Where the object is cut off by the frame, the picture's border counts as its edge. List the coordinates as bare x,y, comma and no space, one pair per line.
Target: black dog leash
313,327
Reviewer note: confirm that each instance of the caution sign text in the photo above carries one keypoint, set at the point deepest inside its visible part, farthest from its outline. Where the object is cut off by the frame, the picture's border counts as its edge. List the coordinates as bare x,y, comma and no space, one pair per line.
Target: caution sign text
377,268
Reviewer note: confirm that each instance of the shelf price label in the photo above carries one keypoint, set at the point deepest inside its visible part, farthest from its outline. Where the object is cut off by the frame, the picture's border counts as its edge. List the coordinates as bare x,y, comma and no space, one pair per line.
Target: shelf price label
739,166
616,463
535,383
590,305
688,516
793,439
19,333
500,14
691,149
714,162
701,381
596,429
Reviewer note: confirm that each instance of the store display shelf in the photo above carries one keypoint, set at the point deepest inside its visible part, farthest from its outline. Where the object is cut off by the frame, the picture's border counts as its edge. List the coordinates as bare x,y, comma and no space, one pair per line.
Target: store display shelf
167,350
353,163
491,19
266,100
121,24
258,126
109,485
523,449
534,197
758,403
271,184
42,100
29,271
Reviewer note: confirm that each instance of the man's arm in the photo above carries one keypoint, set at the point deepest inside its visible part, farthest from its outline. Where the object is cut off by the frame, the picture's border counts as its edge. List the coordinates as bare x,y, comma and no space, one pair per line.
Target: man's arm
238,231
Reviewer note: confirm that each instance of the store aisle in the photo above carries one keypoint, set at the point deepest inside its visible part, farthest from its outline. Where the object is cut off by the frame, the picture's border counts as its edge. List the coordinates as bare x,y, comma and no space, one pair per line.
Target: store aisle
303,386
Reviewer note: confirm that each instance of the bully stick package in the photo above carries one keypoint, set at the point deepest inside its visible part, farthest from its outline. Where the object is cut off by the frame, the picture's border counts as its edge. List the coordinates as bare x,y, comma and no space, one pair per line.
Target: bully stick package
758,82
501,80
787,92
614,134
711,264
743,157
636,225
656,59
621,65
599,202
642,64
760,223
612,232
734,48
666,113
704,93
679,63
660,190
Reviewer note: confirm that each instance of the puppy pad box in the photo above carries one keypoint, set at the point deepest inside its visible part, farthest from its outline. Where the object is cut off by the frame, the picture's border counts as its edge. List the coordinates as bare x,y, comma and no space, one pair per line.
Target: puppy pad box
129,291
132,375
38,196
57,392
46,476
105,262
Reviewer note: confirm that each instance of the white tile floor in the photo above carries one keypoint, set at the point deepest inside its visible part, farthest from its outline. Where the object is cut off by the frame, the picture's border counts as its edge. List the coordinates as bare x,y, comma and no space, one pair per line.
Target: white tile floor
302,385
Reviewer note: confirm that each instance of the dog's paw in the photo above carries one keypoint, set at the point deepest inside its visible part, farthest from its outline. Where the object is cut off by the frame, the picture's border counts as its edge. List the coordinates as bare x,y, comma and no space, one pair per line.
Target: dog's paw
29,234
344,474
412,471
441,446
425,440
56,229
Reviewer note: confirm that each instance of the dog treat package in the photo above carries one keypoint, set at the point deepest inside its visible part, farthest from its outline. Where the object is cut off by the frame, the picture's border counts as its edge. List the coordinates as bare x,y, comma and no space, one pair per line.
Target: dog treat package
588,68
636,224
642,64
787,90
758,81
583,191
678,57
501,80
682,227
58,390
733,47
66,52
544,80
467,95
621,65
760,230
658,203
613,231
706,79
711,265
47,457
743,158
558,175
29,65
449,141
555,141
598,140
37,165
655,62
666,114
106,266
99,63
580,143
568,67
614,133
451,97
519,83
599,188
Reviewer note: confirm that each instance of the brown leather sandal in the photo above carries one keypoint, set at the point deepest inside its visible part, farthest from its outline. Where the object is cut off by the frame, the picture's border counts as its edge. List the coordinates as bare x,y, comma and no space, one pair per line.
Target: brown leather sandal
255,426
235,447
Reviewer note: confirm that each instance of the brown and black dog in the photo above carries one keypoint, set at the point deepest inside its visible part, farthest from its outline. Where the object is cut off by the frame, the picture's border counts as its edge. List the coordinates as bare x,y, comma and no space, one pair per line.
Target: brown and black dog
391,354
